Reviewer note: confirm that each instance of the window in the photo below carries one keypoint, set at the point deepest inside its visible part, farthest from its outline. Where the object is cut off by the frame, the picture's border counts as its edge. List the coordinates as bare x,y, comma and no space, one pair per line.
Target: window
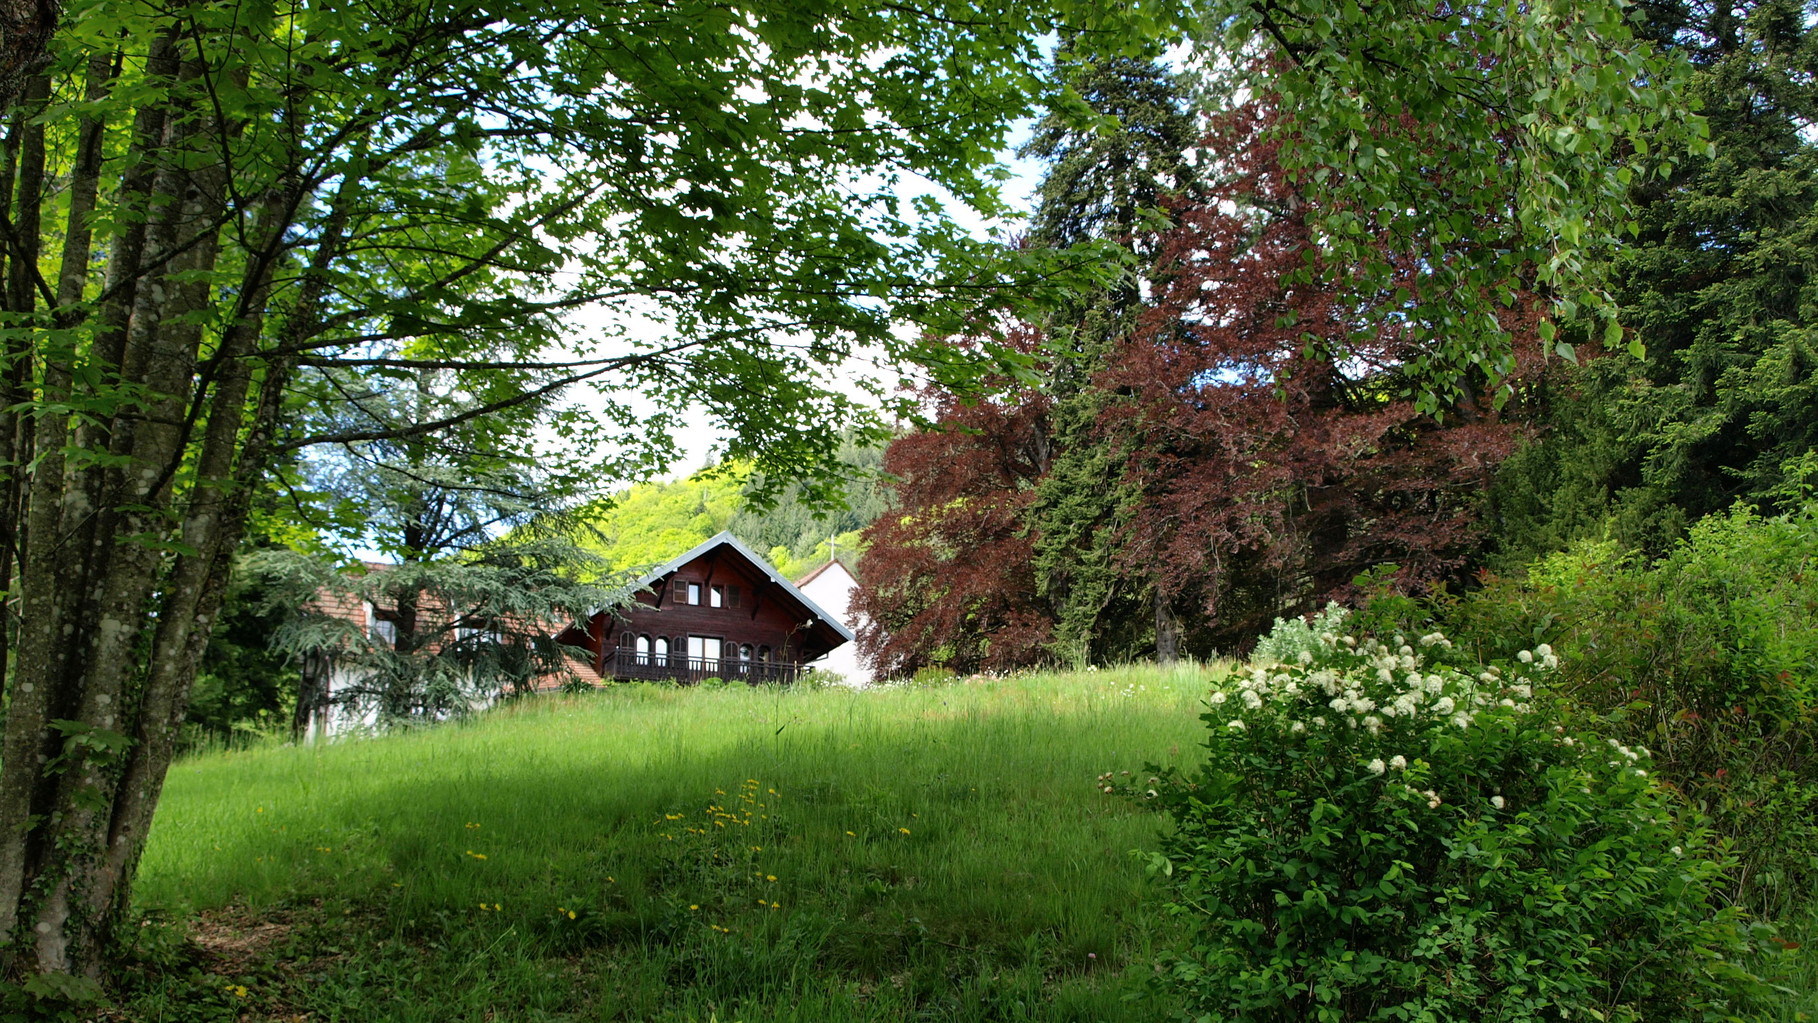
732,596
763,653
716,596
643,649
662,649
383,631
744,651
694,593
704,652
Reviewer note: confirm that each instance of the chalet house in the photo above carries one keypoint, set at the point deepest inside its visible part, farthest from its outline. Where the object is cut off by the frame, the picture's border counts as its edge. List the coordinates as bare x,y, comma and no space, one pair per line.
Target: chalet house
719,610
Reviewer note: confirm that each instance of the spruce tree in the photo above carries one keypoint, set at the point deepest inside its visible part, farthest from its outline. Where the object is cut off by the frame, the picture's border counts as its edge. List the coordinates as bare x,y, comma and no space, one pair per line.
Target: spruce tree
1720,287
1109,179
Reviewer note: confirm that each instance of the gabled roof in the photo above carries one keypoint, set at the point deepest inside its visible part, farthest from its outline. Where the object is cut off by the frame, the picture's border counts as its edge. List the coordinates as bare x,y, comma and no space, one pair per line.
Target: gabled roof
757,561
817,573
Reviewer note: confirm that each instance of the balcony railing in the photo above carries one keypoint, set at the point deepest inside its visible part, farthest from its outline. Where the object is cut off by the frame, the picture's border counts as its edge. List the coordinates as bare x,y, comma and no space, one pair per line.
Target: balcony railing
629,664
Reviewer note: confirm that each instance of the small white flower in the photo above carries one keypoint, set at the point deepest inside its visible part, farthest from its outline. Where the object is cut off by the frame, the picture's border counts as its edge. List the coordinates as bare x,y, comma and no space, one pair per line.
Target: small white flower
1319,722
1305,657
1399,762
1373,724
1237,724
1525,657
1218,698
1496,801
1677,851
1544,650
1297,728
1376,766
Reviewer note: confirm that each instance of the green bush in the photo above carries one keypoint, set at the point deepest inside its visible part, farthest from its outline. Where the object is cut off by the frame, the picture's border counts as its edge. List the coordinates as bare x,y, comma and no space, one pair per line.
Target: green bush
1293,637
932,678
1374,837
1710,654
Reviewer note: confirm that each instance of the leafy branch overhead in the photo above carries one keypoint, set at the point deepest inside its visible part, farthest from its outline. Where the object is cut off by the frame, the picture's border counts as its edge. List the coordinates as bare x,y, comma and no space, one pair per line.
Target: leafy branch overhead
1492,146
236,231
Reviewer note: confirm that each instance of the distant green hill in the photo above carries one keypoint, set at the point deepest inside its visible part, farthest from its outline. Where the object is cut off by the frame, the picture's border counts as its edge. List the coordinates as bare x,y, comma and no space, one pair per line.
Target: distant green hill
653,522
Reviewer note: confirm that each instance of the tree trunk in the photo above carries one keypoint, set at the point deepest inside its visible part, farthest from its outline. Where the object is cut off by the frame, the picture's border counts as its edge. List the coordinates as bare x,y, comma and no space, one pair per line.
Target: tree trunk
1167,631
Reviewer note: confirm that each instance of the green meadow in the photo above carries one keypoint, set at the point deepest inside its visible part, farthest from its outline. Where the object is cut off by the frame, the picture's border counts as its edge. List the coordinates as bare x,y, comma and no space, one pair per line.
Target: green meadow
649,853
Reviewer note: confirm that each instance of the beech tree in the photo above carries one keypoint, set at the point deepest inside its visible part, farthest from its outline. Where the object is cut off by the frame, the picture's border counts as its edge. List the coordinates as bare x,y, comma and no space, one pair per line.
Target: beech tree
217,212
947,580
1279,444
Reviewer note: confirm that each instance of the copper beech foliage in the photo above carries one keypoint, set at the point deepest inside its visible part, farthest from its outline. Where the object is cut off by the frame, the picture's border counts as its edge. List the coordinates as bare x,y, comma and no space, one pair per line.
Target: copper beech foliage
1274,448
946,579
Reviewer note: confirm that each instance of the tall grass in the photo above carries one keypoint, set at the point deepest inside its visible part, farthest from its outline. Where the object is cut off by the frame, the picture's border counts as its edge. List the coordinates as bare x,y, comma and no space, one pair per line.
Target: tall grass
661,854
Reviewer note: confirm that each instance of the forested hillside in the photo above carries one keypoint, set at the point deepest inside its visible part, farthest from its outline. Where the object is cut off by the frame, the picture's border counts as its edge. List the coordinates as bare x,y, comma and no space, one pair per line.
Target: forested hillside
650,523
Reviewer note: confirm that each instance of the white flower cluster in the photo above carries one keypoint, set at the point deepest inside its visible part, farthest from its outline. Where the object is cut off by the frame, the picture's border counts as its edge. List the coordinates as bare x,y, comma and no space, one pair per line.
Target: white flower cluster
1626,757
1368,684
1385,691
1542,655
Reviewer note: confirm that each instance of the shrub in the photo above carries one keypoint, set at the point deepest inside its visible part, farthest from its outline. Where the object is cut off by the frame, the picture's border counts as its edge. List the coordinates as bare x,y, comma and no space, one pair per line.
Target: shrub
1711,656
932,678
1374,837
1292,637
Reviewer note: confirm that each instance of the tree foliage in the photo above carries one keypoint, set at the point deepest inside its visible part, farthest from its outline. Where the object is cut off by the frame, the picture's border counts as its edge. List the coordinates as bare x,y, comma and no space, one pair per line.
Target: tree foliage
1115,183
1720,290
228,221
1278,442
946,580
1254,443
1455,155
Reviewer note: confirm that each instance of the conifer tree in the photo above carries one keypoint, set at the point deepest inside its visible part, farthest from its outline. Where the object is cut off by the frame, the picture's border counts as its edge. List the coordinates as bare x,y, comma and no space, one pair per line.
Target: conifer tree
1110,181
1721,287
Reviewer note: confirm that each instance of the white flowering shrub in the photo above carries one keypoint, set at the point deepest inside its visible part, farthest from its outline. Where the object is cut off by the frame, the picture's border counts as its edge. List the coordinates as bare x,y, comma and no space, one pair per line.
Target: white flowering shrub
1374,837
1290,638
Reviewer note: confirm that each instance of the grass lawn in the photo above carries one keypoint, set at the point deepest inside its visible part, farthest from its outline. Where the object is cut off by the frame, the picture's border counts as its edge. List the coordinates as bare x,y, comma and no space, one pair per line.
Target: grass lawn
660,854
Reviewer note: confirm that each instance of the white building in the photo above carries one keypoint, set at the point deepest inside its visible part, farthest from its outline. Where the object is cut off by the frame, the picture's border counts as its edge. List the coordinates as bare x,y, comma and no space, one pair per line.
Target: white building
832,587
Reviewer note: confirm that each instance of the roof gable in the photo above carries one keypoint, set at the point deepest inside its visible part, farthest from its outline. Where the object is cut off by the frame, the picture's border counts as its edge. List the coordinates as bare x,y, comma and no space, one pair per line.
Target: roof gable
757,563
827,567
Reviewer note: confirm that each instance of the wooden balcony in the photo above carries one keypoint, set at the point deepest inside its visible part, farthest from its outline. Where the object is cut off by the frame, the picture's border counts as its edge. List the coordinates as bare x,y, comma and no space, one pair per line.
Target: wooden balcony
629,665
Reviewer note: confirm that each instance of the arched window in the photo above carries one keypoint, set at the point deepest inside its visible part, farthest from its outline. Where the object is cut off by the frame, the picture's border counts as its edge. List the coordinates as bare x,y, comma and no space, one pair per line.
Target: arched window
763,653
662,650
744,651
643,649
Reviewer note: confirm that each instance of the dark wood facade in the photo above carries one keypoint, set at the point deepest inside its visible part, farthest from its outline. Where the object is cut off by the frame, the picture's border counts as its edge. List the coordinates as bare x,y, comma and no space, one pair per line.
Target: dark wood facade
719,610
